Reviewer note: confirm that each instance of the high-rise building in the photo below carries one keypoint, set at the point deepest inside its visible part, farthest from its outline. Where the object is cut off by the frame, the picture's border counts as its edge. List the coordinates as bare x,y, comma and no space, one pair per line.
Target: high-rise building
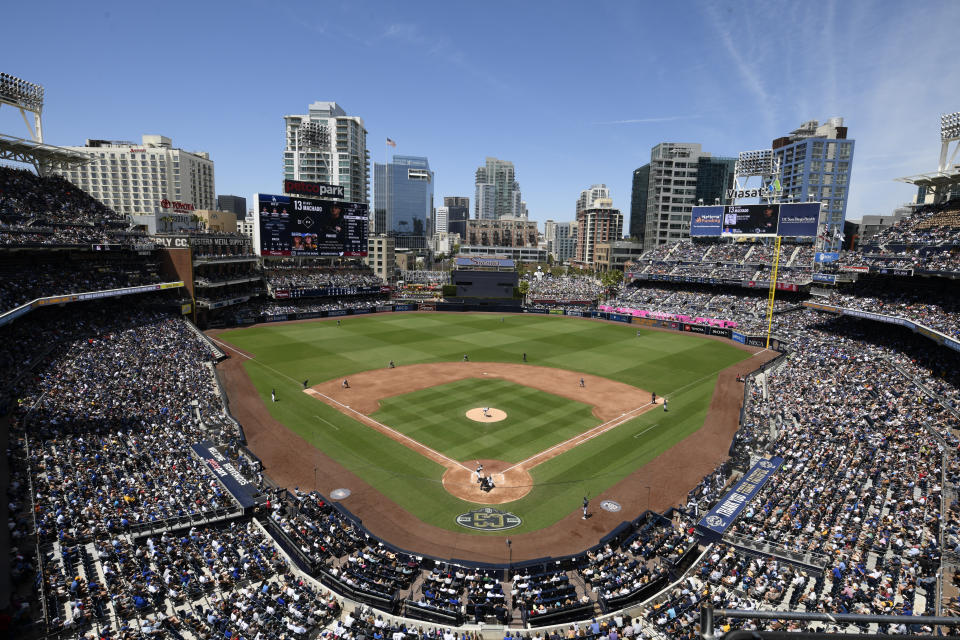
587,196
403,200
457,216
148,179
507,202
638,201
327,145
456,201
660,211
561,239
815,164
441,216
236,205
600,223
486,201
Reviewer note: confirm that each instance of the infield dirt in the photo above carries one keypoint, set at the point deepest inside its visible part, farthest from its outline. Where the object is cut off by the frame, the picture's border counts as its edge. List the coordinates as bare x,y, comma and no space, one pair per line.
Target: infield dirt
290,461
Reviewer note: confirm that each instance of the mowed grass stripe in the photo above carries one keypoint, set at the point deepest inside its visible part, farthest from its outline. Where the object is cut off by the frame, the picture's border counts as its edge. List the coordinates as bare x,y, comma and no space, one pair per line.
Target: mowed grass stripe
656,361
436,418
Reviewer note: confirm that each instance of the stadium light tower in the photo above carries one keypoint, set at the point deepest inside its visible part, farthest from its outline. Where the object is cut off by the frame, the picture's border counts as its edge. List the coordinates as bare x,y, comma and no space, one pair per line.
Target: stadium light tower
761,163
26,97
314,137
947,176
949,133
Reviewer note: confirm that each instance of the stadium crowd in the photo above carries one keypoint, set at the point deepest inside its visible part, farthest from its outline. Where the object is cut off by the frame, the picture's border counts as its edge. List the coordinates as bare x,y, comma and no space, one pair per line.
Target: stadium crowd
294,277
564,288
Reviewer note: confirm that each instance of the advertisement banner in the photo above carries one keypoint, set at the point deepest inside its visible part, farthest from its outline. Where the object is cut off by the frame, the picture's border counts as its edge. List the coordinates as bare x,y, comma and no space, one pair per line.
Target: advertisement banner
532,310
619,317
357,312
571,312
756,341
724,513
556,312
693,328
783,286
281,294
404,307
383,308
854,268
799,220
895,272
336,312
229,476
738,337
826,256
186,308
718,331
822,307
706,221
825,277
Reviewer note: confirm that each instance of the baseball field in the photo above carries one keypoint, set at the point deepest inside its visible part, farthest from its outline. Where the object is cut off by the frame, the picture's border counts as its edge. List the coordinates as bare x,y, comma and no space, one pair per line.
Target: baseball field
575,419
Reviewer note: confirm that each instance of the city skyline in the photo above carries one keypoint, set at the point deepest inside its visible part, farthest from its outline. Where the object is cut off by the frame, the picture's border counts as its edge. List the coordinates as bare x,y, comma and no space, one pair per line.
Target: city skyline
724,87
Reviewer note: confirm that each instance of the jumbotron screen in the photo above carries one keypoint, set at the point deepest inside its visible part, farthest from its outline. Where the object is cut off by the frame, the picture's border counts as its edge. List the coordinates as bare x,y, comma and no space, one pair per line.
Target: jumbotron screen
750,219
294,226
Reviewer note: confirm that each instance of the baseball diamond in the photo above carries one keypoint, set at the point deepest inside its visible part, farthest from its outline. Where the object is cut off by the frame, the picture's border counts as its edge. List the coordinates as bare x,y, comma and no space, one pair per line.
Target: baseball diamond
399,436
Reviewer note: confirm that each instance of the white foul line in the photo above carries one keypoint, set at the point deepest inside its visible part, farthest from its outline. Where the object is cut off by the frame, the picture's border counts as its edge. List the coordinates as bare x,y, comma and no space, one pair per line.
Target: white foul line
590,434
653,426
232,348
386,428
328,422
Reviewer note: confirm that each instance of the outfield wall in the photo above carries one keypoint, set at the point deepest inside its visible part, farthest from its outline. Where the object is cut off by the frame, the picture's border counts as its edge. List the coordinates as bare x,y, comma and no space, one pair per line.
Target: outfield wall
700,326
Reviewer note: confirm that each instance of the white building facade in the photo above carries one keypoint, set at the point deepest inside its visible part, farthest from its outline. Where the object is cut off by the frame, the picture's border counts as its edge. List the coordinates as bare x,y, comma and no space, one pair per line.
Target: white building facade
327,145
148,179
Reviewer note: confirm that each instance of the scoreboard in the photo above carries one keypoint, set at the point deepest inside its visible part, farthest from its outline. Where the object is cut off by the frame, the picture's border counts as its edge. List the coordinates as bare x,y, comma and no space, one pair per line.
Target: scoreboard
294,226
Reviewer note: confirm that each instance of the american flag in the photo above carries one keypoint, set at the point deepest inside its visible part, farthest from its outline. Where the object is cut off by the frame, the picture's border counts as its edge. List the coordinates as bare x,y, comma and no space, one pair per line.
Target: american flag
391,142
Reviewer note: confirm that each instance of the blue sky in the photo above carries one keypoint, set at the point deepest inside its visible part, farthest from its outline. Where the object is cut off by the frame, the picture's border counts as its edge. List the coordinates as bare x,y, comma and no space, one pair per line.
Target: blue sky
572,93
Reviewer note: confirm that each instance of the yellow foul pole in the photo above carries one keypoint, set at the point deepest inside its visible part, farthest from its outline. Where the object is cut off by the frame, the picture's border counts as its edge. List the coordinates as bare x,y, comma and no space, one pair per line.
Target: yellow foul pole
773,289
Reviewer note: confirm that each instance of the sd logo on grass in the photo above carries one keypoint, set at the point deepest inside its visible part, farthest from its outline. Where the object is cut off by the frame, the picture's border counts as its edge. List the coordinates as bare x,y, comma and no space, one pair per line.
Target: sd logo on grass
488,519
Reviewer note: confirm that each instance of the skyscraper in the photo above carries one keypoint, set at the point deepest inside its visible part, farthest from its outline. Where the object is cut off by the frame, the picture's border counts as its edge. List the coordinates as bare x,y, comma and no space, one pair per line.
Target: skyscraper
403,200
505,192
327,145
638,201
458,212
815,164
660,209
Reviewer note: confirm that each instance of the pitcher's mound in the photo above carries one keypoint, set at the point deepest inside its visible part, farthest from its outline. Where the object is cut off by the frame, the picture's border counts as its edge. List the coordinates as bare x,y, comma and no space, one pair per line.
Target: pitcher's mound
486,415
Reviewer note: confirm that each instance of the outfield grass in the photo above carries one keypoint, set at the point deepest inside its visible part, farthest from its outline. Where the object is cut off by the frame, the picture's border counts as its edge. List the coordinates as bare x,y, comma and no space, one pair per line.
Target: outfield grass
535,420
684,367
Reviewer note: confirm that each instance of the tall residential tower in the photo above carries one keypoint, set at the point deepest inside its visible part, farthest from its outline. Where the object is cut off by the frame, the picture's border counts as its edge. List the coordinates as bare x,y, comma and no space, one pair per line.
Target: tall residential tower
327,145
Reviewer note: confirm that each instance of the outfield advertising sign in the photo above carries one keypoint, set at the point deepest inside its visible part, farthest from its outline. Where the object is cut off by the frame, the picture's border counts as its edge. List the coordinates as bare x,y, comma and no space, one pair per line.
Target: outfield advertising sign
705,221
799,220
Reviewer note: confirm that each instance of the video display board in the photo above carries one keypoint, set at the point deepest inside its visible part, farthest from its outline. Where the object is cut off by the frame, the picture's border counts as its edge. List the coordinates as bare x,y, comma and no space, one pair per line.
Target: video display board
294,226
797,220
750,219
